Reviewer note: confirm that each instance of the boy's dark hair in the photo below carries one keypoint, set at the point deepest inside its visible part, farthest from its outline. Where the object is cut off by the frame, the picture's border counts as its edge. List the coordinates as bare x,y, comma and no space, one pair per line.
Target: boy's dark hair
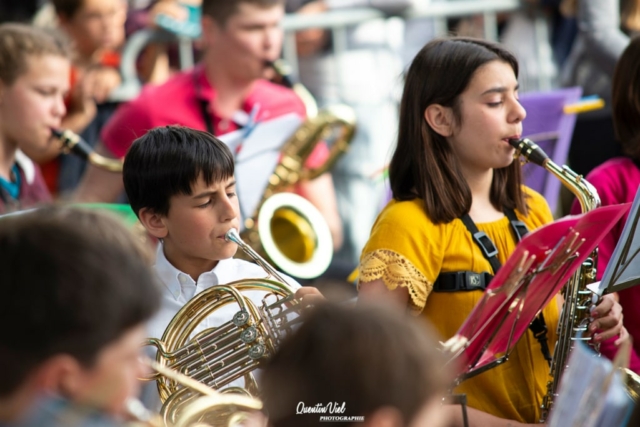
67,8
18,42
66,290
424,164
167,161
625,100
368,357
222,10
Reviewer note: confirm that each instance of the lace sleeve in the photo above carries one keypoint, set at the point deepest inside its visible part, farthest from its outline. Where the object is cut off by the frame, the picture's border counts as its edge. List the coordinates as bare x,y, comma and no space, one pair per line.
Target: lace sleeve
395,270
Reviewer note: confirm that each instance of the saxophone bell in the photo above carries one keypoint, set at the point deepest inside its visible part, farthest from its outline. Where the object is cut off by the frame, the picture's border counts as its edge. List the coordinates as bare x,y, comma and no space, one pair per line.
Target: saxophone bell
73,143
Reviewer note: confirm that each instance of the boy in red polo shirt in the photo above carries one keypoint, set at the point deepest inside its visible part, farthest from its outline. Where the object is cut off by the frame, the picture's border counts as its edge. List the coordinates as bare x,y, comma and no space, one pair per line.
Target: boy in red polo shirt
218,95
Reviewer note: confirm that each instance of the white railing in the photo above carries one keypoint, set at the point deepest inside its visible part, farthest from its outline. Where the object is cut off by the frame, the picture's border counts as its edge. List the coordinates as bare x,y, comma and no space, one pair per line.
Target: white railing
337,21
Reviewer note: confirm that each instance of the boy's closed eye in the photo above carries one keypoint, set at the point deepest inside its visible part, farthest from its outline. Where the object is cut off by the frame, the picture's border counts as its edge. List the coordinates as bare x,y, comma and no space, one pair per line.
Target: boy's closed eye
209,198
204,205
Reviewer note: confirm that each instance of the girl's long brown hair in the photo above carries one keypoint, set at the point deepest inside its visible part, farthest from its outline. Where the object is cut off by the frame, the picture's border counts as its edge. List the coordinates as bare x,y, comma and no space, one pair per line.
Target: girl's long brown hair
424,165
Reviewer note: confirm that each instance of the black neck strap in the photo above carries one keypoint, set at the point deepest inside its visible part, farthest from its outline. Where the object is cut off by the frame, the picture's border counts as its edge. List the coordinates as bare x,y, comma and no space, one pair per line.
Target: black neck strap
490,252
488,249
202,103
206,116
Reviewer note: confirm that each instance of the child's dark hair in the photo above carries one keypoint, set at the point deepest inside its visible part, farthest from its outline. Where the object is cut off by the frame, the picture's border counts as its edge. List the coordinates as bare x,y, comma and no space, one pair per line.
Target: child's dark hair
222,10
167,161
368,356
67,8
66,289
424,164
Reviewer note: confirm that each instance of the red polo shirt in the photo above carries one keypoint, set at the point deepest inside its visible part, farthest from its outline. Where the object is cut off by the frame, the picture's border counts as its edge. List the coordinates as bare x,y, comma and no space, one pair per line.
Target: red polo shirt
178,102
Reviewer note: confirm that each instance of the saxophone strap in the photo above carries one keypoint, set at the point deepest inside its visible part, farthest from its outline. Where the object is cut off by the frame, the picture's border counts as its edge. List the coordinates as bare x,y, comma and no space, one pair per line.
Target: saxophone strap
469,281
204,110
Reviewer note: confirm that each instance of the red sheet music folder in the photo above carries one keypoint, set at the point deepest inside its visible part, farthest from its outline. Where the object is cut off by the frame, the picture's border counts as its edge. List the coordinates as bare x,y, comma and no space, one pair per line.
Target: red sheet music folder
538,268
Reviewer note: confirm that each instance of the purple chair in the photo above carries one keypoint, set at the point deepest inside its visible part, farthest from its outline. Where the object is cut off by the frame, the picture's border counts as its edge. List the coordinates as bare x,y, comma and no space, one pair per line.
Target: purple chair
549,127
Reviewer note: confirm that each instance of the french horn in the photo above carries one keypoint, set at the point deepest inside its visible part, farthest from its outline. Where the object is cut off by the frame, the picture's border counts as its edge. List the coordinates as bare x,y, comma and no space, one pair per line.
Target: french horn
216,357
209,409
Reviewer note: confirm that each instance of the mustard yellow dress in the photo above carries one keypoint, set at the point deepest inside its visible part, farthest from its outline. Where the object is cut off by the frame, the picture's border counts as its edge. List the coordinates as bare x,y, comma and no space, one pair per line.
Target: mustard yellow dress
406,249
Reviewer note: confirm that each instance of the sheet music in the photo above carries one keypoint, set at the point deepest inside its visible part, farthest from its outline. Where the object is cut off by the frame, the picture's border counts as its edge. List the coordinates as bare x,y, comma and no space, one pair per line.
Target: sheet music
591,394
257,152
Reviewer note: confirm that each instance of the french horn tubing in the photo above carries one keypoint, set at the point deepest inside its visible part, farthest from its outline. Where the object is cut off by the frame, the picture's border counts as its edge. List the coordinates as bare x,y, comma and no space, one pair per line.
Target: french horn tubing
209,409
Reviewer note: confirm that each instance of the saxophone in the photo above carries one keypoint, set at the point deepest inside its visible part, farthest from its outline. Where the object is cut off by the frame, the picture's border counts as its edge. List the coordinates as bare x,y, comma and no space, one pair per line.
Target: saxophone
73,143
285,228
578,299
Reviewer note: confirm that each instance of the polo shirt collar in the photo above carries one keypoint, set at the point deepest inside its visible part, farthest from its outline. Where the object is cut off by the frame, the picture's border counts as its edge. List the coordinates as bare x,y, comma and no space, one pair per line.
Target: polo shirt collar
205,92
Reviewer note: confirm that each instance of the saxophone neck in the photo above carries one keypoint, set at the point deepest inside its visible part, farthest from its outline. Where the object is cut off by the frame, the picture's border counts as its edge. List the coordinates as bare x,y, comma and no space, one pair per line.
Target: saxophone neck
582,189
586,193
73,143
283,70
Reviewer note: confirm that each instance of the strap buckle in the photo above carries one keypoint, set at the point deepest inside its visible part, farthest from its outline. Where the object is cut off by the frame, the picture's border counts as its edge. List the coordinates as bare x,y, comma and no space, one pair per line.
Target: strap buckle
486,245
472,281
520,228
462,281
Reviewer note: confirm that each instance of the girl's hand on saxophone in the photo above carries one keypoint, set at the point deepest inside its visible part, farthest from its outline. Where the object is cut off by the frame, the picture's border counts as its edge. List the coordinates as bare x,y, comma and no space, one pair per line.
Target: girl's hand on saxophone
624,335
607,320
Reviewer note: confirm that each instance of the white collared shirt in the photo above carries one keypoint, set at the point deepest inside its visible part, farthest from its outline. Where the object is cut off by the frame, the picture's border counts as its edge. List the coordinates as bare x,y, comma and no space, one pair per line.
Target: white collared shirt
178,288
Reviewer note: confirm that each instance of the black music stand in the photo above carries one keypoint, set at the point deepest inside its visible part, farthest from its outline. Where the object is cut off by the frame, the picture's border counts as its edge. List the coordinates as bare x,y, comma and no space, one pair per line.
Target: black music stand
623,269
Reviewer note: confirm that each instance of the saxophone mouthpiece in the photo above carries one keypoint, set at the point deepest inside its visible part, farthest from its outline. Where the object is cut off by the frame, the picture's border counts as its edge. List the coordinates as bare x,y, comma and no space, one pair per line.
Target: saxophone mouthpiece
514,142
72,143
56,132
283,72
529,150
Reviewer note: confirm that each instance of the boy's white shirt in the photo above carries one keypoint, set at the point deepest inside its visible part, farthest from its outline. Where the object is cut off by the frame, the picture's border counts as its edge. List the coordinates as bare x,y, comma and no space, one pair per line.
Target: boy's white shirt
27,166
178,288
